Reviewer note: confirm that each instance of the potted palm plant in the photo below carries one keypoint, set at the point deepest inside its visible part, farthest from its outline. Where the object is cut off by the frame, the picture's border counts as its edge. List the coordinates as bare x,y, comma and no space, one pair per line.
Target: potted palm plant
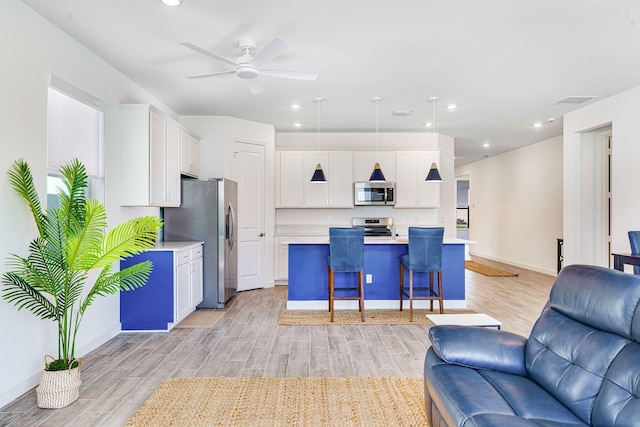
53,281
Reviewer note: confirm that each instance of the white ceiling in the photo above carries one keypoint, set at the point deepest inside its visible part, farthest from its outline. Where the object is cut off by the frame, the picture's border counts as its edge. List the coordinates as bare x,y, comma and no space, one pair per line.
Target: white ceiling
505,63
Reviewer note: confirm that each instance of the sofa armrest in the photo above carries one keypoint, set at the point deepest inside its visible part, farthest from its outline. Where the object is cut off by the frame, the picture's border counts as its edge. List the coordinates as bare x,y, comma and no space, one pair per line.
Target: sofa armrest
480,348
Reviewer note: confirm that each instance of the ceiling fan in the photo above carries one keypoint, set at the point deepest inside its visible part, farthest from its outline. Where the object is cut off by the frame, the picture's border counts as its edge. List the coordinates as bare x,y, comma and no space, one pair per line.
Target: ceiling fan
248,67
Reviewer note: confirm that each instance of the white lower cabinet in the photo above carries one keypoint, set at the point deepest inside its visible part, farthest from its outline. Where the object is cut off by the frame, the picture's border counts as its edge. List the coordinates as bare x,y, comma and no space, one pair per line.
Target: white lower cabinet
197,292
189,292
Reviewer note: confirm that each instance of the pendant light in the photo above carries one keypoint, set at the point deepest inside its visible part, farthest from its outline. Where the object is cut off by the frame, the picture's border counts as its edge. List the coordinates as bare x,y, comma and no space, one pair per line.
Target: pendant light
377,174
318,175
433,175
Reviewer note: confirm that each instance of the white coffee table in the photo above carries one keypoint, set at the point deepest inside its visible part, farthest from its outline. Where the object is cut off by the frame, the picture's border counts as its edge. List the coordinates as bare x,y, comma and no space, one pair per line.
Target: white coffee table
465,319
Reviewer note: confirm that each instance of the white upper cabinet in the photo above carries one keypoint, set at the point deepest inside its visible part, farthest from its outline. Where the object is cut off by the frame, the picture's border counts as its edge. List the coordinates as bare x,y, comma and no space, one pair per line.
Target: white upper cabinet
290,180
189,154
364,161
340,179
412,191
294,188
149,157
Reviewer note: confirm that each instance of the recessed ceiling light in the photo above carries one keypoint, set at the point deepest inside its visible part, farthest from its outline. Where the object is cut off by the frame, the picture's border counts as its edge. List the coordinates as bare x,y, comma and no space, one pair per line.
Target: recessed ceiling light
452,107
428,124
551,119
486,145
172,2
297,125
295,106
537,125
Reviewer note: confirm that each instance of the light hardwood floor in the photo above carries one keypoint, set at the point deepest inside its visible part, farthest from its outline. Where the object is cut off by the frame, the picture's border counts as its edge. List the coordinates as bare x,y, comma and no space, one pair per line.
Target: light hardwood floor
247,341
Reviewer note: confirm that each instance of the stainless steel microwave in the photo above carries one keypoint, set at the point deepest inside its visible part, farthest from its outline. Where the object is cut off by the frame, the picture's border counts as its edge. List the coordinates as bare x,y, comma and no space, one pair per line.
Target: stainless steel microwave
374,193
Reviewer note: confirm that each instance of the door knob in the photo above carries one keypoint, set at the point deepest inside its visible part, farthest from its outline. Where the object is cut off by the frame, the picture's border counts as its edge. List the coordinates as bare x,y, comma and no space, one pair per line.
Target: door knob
261,234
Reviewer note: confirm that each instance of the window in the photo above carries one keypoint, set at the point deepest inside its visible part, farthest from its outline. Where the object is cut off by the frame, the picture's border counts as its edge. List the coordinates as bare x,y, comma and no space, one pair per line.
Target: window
74,130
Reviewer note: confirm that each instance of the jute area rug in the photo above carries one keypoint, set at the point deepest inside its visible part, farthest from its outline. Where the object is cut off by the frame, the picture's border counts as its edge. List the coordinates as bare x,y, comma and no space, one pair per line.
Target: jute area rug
309,401
204,318
352,317
487,270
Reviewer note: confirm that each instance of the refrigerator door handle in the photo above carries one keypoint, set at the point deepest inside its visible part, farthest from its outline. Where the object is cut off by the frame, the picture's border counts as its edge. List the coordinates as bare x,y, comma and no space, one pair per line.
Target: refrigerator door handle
231,227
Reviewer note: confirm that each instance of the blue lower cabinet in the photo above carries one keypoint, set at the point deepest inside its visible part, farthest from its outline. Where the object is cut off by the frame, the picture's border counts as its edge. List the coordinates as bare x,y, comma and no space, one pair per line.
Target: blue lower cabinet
151,306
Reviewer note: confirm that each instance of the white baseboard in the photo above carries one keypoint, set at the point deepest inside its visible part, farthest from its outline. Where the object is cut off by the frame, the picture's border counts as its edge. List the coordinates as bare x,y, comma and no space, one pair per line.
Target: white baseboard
516,263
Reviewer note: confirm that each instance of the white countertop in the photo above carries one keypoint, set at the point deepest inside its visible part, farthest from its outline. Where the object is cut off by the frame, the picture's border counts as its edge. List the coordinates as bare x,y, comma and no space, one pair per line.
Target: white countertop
175,246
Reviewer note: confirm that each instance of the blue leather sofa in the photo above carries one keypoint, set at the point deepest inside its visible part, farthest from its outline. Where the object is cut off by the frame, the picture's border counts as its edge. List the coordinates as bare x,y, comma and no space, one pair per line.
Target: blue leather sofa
580,365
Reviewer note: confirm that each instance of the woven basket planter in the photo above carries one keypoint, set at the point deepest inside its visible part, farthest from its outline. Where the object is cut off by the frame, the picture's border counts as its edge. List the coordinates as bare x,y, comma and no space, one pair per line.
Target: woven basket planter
59,389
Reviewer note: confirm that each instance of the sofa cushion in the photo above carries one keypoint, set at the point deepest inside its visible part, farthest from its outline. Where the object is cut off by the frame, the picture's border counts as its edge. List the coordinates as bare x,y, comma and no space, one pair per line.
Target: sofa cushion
491,349
618,403
461,393
494,420
602,298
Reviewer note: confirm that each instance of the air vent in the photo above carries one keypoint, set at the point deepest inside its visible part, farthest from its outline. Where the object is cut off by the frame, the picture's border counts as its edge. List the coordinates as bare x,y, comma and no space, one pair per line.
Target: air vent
575,99
401,112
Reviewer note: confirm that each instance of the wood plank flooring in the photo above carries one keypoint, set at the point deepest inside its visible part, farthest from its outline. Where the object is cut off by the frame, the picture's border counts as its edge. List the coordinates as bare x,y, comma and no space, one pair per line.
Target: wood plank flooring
247,341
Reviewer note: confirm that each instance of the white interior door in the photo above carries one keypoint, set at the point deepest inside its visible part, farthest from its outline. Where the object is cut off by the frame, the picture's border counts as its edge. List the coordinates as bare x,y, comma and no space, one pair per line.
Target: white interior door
248,172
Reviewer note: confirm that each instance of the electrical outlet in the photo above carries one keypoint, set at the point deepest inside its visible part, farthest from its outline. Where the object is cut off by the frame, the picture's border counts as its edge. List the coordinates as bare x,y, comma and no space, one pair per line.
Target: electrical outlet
369,278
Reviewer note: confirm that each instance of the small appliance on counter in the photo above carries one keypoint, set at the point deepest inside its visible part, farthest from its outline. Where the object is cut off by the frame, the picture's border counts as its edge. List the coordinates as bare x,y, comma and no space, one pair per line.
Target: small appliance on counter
374,193
208,213
375,227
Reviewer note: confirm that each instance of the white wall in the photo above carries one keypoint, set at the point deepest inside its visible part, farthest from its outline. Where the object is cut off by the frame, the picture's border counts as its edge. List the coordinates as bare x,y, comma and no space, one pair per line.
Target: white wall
620,112
363,141
32,49
516,205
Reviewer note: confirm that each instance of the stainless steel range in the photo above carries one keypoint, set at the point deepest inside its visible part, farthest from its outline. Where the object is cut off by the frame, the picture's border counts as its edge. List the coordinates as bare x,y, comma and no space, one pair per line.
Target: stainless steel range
375,227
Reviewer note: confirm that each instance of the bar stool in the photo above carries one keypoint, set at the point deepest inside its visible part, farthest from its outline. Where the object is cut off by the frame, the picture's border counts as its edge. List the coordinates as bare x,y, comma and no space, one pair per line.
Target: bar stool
634,241
425,255
346,255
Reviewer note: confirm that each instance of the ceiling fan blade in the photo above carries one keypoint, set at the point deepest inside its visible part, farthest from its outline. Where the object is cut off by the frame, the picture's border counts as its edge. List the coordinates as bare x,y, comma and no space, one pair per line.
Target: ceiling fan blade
274,48
209,54
204,76
255,86
289,74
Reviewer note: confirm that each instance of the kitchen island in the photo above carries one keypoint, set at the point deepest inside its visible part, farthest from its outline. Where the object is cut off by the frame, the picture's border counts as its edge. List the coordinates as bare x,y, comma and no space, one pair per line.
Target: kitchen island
308,289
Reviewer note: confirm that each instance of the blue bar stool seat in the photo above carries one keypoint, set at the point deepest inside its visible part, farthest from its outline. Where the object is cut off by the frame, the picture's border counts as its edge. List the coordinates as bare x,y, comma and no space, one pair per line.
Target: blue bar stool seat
425,255
346,255
634,240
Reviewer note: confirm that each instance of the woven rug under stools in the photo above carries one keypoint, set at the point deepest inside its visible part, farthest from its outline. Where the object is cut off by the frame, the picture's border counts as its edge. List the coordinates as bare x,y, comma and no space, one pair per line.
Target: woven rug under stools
352,317
310,401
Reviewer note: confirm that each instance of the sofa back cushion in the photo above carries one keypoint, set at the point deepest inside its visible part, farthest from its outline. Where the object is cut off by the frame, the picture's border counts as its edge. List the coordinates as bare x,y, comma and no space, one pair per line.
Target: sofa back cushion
584,327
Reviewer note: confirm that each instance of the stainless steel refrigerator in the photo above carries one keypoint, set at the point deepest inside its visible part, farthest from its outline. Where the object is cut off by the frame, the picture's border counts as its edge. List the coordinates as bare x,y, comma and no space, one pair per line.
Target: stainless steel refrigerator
208,212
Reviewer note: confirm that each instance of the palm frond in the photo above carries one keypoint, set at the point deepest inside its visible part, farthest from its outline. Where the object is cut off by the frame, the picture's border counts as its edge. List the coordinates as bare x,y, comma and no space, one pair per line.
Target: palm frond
73,196
129,238
127,279
22,295
22,182
85,247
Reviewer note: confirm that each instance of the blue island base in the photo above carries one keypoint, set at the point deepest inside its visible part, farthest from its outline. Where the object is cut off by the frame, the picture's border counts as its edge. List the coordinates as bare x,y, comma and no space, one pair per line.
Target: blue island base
308,289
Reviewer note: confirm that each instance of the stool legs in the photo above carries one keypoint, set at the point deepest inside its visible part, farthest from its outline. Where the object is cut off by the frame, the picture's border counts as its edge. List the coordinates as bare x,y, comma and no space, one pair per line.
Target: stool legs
432,295
332,298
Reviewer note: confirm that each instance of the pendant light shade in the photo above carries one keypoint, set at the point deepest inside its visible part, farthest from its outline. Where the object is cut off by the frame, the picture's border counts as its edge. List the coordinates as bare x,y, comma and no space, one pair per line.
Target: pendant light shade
377,174
433,175
318,175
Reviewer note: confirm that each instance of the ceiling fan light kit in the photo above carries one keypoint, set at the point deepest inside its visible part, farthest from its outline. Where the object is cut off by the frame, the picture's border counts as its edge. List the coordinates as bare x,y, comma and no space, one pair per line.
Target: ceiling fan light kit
248,67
